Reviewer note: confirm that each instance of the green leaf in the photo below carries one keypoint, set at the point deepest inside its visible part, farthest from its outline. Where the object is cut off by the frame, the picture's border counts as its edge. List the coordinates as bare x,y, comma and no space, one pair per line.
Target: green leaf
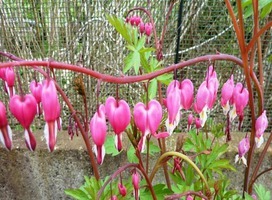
165,78
132,158
120,27
152,148
110,146
261,192
140,43
132,60
266,10
77,194
248,8
152,89
160,190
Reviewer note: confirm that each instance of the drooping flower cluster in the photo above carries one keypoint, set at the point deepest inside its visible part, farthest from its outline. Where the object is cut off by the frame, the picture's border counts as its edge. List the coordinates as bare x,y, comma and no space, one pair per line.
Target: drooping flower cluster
24,108
144,28
118,114
236,96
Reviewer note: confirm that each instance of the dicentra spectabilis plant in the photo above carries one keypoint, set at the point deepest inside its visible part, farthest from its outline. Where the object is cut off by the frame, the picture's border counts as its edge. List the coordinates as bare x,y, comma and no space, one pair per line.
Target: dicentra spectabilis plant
243,148
24,109
118,113
260,126
147,119
98,130
193,168
51,108
226,95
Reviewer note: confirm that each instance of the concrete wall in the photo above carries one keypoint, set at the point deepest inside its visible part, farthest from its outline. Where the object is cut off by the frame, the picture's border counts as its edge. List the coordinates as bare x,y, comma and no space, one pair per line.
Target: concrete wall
42,175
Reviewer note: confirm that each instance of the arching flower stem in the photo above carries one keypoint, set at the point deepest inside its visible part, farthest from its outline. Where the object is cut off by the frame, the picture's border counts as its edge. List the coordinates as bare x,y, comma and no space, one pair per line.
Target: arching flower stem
170,154
125,79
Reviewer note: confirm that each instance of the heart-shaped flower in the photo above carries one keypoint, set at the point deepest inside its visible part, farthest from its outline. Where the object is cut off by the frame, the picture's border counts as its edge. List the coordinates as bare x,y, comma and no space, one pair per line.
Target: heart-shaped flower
243,148
24,109
51,108
240,100
202,102
5,130
147,118
173,104
98,128
260,126
10,80
118,113
187,93
226,95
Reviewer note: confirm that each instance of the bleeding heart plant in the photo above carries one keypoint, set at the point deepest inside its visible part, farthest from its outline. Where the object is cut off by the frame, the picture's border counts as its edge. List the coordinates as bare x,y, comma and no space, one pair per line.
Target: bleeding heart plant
24,109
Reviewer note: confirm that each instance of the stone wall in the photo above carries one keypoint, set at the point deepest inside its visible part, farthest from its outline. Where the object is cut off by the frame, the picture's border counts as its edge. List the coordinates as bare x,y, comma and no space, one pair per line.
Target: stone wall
42,175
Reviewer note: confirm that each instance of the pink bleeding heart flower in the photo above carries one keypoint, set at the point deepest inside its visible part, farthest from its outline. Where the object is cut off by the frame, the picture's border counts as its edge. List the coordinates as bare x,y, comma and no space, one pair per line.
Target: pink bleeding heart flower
202,102
98,128
137,20
187,93
10,80
142,27
243,148
51,108
5,130
114,197
260,126
173,104
122,189
212,84
240,100
190,121
148,29
136,184
147,118
198,123
36,90
118,113
226,95
24,109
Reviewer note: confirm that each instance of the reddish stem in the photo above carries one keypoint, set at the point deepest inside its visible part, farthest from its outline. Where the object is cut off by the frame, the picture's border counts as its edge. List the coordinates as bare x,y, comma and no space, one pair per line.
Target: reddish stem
258,34
125,79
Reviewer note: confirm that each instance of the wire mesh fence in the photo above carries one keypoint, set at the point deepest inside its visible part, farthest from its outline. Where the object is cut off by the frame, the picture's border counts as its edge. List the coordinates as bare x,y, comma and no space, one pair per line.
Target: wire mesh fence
78,32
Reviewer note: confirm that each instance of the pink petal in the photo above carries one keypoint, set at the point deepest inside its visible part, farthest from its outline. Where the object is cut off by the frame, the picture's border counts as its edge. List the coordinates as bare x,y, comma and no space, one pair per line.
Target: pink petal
30,140
50,102
50,134
98,126
24,109
6,137
161,135
187,94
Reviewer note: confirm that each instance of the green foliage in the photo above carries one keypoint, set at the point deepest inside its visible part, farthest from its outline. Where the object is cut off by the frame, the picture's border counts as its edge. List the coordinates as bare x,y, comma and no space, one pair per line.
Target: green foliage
265,6
132,158
139,56
206,151
91,187
160,190
261,192
110,146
